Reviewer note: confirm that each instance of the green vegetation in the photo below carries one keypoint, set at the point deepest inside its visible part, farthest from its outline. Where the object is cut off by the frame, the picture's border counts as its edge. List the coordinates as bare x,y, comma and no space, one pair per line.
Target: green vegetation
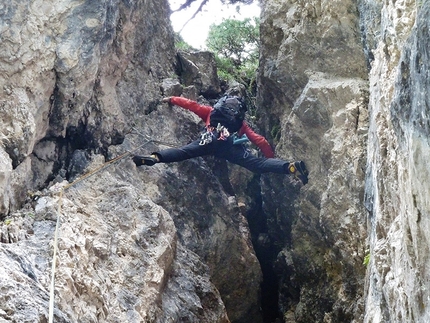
275,132
366,259
236,46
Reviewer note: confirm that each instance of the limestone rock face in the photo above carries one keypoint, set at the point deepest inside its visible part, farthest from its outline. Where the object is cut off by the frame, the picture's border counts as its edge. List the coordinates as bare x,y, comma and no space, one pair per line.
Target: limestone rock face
82,82
5,178
60,70
345,88
313,81
198,69
397,171
342,85
118,259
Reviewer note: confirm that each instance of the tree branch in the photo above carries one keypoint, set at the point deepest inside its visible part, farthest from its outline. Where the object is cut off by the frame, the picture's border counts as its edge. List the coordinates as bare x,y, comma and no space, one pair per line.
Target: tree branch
185,5
195,14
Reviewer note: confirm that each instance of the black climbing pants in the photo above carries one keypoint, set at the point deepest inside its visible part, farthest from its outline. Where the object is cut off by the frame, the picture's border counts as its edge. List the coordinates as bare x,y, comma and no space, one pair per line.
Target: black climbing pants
236,154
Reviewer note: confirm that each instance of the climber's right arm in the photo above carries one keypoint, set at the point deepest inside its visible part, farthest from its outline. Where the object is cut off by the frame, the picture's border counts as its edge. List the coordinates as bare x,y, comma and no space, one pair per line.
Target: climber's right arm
203,111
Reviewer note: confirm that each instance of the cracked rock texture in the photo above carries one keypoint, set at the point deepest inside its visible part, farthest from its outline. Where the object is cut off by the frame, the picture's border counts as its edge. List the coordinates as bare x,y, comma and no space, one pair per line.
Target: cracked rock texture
313,81
81,82
341,85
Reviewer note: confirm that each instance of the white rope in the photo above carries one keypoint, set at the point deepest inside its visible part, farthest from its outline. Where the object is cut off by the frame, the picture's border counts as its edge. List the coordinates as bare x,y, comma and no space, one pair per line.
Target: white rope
54,261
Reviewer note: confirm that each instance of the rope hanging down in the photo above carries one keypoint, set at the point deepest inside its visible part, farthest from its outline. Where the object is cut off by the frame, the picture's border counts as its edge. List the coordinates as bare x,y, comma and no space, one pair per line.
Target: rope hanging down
60,197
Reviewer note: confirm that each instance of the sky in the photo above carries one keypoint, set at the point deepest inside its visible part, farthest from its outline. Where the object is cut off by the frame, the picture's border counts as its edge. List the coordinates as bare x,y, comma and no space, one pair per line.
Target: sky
196,31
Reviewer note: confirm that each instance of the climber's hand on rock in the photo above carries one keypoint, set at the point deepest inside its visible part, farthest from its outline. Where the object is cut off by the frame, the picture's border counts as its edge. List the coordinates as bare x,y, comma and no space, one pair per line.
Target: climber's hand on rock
166,99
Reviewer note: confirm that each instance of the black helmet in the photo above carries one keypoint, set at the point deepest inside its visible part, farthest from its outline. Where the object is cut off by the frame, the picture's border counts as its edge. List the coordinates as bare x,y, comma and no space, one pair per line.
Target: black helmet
234,105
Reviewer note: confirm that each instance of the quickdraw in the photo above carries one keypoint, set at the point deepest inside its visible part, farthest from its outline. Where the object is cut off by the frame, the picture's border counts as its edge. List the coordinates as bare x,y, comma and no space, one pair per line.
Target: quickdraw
211,133
206,138
223,132
220,133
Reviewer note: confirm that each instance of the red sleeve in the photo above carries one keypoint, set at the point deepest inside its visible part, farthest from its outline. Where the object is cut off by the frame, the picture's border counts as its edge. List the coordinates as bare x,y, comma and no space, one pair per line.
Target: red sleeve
258,140
203,111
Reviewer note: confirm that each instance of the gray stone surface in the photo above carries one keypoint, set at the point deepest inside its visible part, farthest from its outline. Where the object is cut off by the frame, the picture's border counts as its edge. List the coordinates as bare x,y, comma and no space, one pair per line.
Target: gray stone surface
342,85
397,172
313,83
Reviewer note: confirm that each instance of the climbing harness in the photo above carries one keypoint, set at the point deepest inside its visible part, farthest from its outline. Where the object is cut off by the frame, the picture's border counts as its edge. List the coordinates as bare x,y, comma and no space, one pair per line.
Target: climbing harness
220,133
211,133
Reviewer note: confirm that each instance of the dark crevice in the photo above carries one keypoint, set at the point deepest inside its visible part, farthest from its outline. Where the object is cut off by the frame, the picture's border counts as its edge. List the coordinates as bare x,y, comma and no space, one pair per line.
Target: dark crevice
72,155
269,286
13,153
79,146
266,252
265,246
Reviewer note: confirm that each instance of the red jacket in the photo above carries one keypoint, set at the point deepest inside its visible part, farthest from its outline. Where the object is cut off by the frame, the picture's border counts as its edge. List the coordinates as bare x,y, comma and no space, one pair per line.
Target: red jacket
204,112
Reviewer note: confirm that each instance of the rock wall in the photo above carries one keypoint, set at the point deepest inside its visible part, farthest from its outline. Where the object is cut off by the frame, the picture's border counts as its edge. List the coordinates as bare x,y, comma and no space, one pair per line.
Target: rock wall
314,90
341,85
397,172
63,66
81,83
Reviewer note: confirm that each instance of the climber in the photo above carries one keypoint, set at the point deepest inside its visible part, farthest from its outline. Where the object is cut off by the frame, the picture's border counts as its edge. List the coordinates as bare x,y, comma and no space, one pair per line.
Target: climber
223,137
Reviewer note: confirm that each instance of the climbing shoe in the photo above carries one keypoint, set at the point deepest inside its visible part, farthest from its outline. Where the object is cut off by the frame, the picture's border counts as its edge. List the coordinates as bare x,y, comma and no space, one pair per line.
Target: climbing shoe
143,160
298,169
